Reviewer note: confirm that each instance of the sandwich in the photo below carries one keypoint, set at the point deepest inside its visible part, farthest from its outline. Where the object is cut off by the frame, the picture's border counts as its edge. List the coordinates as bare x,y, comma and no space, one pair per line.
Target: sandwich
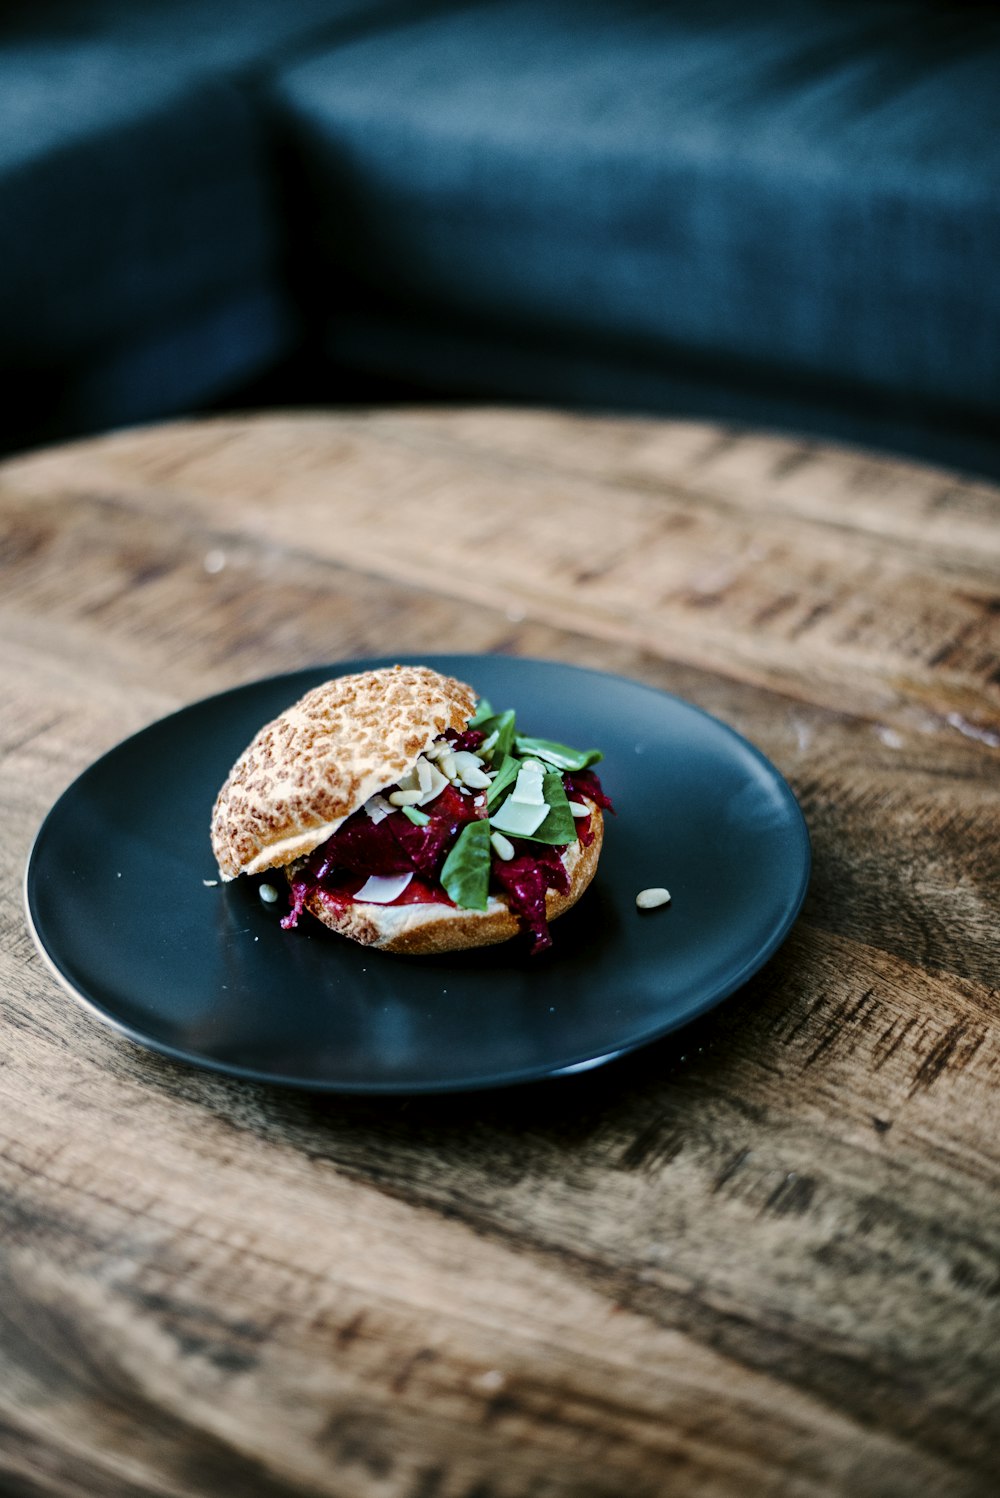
410,816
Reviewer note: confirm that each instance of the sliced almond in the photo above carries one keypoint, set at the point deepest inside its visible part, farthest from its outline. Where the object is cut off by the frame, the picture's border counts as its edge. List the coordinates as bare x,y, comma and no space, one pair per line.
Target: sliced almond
503,846
424,772
649,899
471,770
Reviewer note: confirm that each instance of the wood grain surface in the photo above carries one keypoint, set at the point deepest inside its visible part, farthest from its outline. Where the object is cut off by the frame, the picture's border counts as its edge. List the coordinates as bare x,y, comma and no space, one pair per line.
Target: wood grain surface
761,1258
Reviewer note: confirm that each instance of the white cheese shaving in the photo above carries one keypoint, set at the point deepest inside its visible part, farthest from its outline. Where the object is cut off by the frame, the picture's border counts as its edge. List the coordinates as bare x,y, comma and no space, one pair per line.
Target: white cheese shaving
528,785
436,783
383,889
378,808
519,818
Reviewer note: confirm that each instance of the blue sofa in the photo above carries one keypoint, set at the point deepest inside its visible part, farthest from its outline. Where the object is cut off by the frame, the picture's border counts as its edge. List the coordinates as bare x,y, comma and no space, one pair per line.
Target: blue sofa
771,213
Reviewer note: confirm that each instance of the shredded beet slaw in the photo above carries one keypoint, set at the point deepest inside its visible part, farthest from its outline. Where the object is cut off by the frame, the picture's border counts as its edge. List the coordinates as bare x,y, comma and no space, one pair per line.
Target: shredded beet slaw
361,847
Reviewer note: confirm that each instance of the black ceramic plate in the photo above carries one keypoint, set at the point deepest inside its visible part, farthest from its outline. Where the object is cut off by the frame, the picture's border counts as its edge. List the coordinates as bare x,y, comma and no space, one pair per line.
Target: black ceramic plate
118,906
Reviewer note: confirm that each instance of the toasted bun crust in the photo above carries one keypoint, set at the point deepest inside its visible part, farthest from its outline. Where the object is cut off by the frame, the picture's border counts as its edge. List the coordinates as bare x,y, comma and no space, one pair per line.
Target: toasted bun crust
420,929
309,769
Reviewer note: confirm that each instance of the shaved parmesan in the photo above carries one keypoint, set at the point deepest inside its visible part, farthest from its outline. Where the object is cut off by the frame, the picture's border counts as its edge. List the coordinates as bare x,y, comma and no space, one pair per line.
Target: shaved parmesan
436,783
377,809
519,818
528,786
383,889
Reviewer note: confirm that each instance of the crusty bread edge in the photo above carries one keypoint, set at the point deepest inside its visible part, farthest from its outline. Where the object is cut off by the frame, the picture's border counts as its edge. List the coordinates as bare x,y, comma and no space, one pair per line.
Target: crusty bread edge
416,930
299,840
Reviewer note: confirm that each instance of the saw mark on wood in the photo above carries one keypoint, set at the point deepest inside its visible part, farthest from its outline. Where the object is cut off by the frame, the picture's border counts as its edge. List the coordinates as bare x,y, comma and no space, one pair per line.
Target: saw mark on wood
794,1195
350,1331
811,619
779,605
353,1440
400,1380
427,1482
889,1042
732,1167
200,1331
953,644
951,1052
657,1145
839,1024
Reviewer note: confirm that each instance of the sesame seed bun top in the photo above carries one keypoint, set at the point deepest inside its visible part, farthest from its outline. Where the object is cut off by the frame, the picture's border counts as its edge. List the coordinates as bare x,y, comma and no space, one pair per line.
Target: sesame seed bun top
322,758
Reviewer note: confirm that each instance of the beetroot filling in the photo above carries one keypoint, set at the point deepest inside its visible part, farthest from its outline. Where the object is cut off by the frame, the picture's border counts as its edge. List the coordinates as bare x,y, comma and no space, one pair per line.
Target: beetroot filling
396,845
469,738
525,879
340,890
361,848
583,785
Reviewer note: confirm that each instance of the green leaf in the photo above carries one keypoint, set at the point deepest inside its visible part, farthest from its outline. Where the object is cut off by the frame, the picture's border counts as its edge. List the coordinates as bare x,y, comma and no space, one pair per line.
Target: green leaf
483,711
560,755
503,781
466,872
506,729
559,826
503,725
418,818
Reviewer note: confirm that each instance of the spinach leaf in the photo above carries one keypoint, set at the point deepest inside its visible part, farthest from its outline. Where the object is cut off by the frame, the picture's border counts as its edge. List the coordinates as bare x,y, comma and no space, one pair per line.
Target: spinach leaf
483,711
466,872
560,825
503,781
503,725
560,755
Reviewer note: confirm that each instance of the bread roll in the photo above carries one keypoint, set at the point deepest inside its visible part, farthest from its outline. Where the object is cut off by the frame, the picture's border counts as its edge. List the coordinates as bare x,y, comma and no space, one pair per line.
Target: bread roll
305,773
320,761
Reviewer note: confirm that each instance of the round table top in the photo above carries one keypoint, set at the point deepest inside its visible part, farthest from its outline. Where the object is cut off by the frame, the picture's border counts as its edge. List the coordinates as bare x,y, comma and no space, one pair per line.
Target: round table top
758,1257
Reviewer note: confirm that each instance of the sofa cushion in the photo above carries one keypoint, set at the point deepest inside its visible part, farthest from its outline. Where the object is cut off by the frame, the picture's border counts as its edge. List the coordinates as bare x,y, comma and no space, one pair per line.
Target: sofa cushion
806,196
137,201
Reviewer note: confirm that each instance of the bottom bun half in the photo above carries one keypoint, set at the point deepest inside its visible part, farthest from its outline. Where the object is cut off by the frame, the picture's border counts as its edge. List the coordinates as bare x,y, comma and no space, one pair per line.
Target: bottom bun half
420,929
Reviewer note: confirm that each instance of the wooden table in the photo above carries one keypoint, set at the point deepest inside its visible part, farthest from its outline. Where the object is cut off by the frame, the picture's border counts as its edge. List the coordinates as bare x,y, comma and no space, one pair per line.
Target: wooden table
760,1259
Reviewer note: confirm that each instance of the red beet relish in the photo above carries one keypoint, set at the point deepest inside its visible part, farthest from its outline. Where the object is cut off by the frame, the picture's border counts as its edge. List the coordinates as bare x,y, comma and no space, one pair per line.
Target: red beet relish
341,888
469,738
581,785
395,845
361,848
526,879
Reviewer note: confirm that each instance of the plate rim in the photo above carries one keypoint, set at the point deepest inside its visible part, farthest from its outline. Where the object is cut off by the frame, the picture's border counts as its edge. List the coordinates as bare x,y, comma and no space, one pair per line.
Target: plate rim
587,1061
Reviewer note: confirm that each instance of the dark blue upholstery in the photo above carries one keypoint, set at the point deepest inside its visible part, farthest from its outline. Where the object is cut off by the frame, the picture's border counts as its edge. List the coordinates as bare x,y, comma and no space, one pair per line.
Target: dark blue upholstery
786,210
783,212
140,237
